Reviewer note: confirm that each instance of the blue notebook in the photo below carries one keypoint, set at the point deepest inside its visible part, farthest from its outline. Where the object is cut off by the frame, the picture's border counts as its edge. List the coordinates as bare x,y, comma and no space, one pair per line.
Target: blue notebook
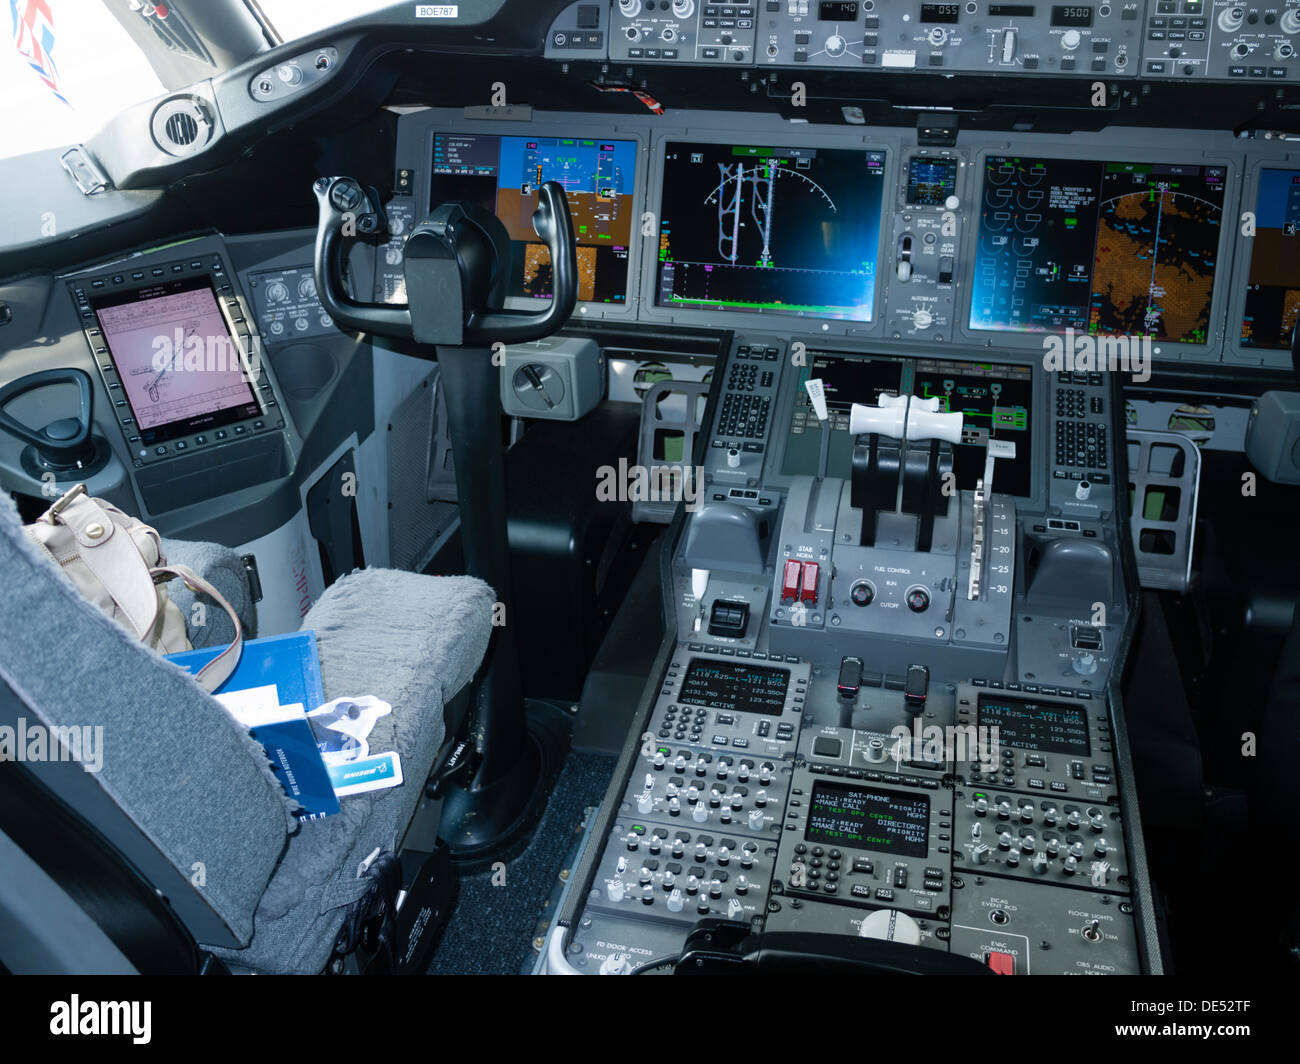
289,662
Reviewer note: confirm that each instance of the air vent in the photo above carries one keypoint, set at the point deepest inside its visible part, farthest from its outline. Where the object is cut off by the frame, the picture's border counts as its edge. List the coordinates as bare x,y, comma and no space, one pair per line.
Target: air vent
181,130
181,126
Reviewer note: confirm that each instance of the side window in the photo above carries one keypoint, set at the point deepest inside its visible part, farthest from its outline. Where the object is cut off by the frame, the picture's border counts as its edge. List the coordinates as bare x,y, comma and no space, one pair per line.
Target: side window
66,68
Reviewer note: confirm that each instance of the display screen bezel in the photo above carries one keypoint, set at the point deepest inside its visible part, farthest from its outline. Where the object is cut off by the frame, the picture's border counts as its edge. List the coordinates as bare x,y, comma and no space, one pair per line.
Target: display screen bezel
1088,149
170,430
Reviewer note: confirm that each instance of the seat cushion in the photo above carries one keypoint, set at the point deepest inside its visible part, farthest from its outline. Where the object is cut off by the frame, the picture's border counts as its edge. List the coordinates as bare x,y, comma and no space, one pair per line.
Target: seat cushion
223,569
413,641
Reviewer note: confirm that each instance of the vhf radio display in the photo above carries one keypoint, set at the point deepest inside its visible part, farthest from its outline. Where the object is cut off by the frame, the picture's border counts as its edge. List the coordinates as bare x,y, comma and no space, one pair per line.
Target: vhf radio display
735,687
1047,728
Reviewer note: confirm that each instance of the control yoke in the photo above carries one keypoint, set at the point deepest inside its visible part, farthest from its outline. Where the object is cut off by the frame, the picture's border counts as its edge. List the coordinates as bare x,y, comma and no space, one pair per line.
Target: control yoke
456,263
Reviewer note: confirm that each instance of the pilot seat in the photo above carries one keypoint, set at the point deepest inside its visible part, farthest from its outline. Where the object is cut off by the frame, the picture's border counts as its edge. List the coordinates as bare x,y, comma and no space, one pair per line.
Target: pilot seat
184,794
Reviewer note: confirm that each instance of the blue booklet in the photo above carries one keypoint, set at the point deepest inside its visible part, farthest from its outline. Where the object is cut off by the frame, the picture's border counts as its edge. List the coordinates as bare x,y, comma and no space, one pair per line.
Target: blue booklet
277,718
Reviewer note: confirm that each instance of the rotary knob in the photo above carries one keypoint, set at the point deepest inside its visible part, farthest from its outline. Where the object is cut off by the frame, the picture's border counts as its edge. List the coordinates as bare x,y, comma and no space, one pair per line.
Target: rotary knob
1039,864
755,819
922,319
1071,39
614,890
675,902
645,803
683,8
700,813
862,593
980,854
835,45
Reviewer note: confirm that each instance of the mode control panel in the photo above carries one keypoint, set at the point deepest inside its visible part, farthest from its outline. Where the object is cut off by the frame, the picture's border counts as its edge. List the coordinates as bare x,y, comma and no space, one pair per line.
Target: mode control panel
1221,39
693,31
739,701
995,38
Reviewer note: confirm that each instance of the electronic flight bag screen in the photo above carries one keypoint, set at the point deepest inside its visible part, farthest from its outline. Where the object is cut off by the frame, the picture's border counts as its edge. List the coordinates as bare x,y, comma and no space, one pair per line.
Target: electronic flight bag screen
180,367
504,174
734,686
770,230
1103,248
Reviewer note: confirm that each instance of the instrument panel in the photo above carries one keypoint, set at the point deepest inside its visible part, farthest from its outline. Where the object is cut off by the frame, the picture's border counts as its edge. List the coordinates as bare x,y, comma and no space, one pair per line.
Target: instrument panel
1155,40
1088,252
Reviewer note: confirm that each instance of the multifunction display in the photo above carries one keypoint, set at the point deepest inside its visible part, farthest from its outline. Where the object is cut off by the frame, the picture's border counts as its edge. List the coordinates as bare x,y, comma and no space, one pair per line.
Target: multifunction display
1116,249
778,230
861,818
930,181
1273,287
995,400
180,367
1048,727
504,175
734,686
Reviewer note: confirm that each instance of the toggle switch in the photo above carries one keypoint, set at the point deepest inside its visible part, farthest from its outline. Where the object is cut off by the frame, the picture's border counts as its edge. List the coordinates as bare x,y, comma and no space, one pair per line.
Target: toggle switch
790,580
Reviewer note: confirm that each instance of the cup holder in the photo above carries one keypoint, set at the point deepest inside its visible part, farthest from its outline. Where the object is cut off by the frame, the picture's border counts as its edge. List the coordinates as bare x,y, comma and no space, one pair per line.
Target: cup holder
304,371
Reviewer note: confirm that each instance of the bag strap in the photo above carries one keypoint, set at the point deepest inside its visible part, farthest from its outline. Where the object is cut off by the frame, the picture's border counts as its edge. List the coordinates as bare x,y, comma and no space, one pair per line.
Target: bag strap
219,669
111,556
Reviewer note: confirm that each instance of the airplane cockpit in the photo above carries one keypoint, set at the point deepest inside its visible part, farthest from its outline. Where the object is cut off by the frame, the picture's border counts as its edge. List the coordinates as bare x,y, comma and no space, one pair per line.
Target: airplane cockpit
613,488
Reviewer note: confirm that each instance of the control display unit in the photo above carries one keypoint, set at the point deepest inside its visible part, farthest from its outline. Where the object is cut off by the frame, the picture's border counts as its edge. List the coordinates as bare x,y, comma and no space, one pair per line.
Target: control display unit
1051,727
864,818
504,173
1273,285
995,399
770,230
181,368
1114,248
735,686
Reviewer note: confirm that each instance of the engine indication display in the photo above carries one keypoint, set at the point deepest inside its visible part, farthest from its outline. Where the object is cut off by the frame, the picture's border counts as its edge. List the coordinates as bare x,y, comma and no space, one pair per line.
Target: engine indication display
1273,286
1046,727
775,230
734,686
1117,249
863,818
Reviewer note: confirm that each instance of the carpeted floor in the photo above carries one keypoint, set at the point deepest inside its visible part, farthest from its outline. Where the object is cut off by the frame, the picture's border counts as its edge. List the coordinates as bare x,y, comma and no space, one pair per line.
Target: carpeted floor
491,929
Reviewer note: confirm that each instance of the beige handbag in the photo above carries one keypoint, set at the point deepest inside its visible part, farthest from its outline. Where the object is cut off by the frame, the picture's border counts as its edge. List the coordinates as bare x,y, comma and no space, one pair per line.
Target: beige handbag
116,562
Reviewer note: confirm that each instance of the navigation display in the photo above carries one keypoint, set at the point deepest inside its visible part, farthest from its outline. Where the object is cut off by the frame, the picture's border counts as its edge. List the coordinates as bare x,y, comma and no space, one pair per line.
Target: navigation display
770,230
1050,727
735,687
996,401
862,818
1273,287
504,174
180,368
1110,248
